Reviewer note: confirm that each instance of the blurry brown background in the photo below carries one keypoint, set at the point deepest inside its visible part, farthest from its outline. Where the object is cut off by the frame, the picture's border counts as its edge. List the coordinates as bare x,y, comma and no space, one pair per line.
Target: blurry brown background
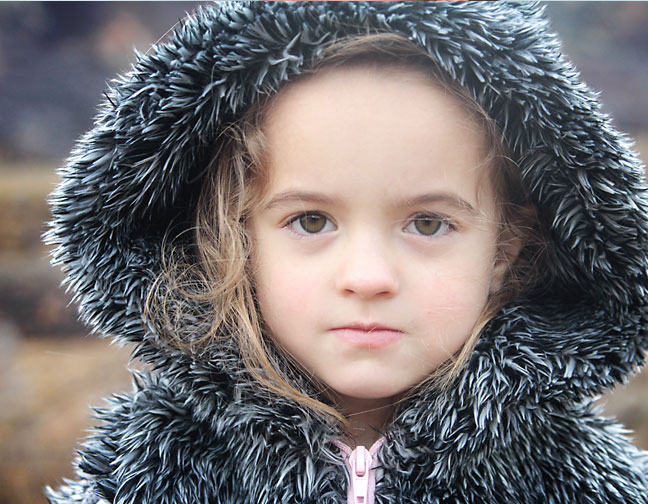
55,59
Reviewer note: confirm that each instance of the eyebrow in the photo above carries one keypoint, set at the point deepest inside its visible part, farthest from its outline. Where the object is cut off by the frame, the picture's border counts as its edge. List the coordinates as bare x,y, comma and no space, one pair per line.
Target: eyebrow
286,198
290,197
440,197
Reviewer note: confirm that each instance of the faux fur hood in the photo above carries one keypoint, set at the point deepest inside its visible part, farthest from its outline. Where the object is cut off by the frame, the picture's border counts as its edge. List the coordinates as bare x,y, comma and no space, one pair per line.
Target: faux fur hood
515,427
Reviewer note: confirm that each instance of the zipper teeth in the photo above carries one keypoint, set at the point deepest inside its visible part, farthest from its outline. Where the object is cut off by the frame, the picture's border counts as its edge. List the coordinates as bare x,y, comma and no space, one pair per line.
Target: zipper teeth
347,450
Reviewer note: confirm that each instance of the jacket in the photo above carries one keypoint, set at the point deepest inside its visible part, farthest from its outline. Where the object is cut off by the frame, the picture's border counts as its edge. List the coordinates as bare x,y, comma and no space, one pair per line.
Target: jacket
518,423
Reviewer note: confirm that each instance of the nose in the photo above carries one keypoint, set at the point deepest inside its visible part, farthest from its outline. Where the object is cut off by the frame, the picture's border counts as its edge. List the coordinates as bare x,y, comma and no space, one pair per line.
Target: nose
367,270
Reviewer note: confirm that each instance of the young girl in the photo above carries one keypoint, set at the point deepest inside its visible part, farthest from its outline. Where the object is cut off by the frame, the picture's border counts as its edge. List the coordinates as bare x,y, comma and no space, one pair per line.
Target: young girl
373,252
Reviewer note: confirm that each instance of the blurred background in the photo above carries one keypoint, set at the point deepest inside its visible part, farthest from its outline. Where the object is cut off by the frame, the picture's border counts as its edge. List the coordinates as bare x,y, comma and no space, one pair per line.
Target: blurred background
55,61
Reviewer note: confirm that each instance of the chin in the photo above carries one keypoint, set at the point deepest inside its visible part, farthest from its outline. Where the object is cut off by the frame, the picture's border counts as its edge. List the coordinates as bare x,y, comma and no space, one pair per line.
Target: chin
370,391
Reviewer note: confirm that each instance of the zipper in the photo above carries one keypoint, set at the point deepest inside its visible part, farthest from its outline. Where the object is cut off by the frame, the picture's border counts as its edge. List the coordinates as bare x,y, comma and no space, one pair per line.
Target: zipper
361,465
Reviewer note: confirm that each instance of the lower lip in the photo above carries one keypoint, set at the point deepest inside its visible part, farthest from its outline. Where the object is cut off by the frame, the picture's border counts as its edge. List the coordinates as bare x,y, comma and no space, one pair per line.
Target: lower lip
368,339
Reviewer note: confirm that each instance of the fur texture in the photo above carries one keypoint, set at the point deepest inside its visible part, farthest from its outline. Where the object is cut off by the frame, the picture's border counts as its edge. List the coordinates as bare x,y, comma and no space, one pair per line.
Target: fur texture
517,425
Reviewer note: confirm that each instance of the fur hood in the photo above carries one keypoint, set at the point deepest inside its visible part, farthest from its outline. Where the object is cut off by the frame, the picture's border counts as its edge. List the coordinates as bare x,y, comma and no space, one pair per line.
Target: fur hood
515,427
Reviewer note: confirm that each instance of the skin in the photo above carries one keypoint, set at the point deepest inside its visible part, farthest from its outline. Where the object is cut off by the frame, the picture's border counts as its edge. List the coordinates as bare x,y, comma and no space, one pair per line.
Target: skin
377,213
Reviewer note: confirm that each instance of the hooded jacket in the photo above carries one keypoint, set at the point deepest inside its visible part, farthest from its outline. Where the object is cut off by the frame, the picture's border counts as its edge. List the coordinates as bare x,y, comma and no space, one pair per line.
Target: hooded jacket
517,426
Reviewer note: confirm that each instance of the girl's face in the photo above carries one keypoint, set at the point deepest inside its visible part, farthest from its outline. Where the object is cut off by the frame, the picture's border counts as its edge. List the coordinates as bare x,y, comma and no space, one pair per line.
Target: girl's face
375,243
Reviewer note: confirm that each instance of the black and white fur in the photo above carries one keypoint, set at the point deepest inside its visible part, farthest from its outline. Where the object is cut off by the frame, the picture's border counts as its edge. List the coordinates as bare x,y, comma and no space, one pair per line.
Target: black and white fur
516,427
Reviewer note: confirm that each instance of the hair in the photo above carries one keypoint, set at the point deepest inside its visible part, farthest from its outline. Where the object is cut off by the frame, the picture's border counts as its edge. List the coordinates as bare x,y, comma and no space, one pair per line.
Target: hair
214,273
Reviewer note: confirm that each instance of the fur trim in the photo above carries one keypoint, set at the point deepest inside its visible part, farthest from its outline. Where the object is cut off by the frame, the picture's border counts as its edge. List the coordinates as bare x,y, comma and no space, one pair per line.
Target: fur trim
512,428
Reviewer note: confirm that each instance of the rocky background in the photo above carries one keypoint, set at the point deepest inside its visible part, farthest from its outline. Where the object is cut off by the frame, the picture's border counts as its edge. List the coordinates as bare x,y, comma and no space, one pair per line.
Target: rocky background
55,60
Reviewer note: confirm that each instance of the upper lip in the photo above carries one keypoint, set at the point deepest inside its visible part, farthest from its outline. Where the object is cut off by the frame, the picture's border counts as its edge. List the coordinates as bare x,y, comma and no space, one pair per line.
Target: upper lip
367,327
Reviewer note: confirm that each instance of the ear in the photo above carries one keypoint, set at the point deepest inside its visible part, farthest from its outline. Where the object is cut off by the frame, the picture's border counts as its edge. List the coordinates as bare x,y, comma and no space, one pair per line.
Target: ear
508,250
510,242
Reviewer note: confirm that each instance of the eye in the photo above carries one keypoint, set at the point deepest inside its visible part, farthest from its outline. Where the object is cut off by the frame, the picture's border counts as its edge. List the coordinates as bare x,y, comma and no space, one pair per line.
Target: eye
310,223
428,225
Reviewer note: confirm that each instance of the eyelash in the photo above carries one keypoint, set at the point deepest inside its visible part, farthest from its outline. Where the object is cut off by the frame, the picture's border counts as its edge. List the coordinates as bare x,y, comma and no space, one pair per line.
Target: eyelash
444,224
295,220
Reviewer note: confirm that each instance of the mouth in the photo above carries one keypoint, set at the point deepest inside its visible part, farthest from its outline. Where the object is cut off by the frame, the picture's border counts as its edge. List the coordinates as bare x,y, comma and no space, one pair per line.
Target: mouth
367,335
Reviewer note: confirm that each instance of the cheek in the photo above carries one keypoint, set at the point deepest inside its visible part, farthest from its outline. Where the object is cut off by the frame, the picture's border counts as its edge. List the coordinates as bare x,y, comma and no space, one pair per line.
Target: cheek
284,295
453,305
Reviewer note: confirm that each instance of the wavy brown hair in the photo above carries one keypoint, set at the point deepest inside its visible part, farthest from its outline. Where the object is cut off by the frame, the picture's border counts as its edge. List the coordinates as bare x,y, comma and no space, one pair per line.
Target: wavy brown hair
215,273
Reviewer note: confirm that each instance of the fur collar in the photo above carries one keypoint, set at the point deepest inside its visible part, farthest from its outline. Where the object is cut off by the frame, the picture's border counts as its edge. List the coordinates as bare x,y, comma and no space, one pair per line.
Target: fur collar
194,425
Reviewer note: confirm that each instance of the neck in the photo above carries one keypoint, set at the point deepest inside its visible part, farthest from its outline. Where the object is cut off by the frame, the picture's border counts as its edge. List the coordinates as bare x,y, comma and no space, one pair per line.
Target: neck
367,419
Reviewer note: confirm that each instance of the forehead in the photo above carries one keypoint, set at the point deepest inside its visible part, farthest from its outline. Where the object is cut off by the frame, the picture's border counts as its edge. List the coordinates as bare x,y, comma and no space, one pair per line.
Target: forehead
384,86
390,125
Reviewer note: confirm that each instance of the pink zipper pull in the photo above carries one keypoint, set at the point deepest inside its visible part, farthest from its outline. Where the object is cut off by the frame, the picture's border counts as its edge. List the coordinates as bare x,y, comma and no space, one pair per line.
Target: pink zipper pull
362,473
360,465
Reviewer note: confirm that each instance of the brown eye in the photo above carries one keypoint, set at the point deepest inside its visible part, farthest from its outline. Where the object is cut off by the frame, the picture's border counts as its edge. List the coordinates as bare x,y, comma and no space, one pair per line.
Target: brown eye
310,223
427,225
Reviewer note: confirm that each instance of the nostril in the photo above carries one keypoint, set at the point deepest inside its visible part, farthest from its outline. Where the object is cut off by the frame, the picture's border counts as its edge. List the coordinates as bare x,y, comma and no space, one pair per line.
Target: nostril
369,284
367,268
